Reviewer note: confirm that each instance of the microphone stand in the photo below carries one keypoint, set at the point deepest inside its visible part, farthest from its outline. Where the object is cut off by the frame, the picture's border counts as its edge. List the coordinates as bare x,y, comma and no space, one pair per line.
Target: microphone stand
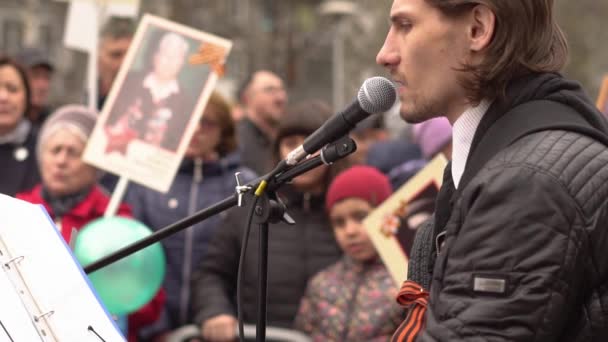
268,209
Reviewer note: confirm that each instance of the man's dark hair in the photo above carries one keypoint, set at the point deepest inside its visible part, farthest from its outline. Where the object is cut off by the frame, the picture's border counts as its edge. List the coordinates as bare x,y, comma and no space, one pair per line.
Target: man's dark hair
118,27
526,39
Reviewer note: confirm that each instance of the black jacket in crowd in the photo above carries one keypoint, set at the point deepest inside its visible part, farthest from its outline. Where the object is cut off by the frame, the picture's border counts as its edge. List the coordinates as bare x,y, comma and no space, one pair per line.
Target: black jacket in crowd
296,253
255,147
19,171
525,251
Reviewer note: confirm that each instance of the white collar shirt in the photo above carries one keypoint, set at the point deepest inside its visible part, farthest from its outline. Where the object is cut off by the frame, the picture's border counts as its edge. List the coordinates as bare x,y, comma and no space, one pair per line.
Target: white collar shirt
463,132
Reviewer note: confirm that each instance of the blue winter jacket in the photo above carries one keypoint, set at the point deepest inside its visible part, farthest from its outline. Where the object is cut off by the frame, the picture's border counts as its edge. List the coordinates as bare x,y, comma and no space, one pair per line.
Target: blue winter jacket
197,185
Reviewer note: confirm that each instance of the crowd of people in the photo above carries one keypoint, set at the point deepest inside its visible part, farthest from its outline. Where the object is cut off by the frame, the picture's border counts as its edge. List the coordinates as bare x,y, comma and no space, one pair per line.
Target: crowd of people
43,152
513,251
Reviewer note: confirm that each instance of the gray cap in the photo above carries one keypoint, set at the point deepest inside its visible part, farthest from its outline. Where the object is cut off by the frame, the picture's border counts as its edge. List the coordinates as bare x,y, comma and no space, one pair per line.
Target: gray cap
33,57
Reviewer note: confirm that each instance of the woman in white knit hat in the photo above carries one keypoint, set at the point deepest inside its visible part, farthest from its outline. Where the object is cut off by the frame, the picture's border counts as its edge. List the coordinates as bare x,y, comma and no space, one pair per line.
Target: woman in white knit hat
69,189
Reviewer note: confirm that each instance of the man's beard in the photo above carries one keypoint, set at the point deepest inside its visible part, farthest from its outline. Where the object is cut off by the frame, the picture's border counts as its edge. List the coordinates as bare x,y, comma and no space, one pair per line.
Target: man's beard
421,112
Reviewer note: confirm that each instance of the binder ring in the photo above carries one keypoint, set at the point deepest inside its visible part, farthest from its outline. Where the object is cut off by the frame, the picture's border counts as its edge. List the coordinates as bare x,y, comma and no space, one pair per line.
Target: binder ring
47,314
14,260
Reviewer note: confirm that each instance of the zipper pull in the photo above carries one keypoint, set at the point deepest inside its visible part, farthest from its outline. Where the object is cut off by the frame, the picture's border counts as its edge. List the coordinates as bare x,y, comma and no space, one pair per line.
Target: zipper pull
198,170
440,241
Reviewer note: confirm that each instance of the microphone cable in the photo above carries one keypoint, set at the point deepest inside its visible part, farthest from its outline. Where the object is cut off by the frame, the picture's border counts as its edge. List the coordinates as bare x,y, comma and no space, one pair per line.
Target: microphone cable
239,293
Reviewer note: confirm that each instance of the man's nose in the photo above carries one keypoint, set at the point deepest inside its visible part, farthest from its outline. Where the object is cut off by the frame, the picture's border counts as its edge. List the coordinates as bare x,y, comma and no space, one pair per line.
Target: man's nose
388,56
281,94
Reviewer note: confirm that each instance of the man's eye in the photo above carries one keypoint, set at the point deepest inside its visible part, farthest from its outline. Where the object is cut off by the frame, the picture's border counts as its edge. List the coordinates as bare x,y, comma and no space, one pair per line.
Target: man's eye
404,25
116,54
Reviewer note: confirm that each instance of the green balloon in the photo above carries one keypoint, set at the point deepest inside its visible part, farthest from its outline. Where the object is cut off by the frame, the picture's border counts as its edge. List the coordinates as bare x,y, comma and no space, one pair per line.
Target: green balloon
128,284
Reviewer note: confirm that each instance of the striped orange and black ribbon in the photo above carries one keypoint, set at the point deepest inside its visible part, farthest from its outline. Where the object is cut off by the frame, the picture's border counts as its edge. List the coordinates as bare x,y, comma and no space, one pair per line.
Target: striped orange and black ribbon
416,299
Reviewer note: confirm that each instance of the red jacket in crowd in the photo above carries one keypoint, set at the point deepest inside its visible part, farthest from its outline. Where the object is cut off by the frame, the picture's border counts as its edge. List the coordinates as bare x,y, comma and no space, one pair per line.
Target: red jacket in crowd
91,208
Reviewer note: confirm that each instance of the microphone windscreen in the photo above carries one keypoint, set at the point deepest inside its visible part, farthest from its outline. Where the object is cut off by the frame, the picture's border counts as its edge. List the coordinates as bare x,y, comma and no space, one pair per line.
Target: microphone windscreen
377,95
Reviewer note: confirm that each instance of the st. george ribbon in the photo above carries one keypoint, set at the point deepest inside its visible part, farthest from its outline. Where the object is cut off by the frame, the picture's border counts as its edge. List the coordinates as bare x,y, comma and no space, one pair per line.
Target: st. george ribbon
376,95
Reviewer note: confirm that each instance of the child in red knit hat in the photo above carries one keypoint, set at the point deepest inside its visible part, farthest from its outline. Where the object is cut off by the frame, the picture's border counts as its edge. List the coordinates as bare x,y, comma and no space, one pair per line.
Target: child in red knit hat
353,299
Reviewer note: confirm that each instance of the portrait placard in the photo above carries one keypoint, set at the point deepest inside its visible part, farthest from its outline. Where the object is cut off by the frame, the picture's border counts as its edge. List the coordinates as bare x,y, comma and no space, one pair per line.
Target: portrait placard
392,226
156,102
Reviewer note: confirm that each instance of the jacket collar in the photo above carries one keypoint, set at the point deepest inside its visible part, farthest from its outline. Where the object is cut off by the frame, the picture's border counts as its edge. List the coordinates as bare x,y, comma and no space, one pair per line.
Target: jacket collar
303,200
249,128
540,86
19,135
85,209
227,163
350,263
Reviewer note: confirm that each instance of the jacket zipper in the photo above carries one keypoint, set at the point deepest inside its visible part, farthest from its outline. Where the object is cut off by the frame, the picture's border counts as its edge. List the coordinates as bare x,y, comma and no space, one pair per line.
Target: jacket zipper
188,243
351,305
306,205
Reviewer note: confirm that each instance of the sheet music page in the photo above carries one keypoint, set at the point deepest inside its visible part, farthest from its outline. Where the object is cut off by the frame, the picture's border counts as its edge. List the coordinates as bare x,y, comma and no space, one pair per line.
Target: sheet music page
53,276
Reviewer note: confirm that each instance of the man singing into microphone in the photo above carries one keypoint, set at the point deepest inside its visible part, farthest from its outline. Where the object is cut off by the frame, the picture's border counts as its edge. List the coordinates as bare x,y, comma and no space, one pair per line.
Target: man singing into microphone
516,249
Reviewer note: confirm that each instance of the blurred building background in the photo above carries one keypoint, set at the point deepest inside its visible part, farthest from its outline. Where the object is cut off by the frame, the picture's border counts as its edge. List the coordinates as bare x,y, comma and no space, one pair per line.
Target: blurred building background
299,39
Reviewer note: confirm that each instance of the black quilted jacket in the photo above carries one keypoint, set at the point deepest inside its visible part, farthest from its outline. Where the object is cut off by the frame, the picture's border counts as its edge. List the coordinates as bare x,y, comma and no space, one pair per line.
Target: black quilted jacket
296,253
525,256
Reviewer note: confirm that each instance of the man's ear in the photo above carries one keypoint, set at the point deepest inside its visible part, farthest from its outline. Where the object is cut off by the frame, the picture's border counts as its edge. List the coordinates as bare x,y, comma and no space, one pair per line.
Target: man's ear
481,30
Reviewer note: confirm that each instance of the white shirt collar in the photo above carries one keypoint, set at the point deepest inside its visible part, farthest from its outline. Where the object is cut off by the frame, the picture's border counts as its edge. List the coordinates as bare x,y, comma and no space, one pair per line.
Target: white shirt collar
160,91
463,132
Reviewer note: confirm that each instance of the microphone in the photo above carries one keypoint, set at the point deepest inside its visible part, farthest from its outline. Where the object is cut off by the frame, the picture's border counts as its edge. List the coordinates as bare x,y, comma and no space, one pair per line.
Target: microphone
376,95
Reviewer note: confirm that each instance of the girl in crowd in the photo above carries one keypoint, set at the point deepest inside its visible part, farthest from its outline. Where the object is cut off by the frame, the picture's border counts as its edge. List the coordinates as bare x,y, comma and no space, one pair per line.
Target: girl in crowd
19,171
69,189
353,299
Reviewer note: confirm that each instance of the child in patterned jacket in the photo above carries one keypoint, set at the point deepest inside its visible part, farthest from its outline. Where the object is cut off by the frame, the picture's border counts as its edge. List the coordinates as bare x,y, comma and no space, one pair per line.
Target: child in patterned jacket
353,299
